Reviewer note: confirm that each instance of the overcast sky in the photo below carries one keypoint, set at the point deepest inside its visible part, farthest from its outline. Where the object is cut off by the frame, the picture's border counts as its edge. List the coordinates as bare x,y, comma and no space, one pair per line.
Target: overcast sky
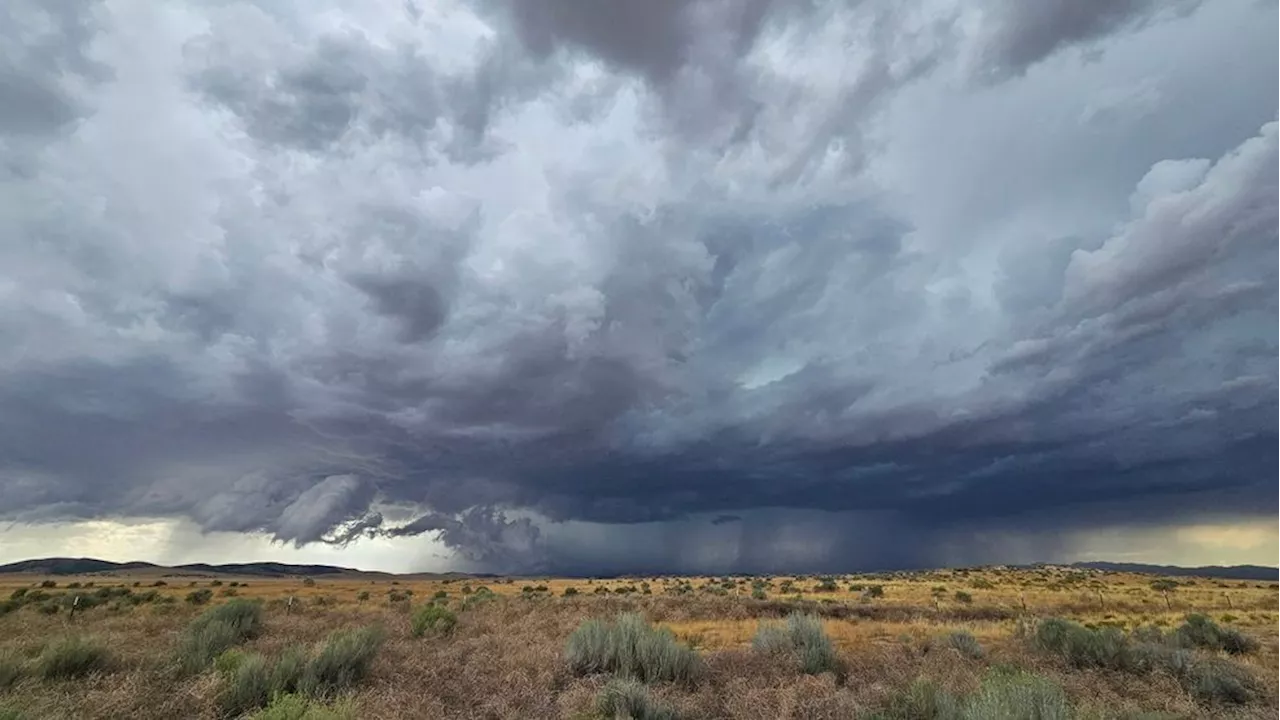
705,285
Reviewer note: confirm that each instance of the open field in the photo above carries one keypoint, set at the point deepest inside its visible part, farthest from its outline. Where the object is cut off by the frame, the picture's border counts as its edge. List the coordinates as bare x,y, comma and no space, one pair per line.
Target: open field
915,645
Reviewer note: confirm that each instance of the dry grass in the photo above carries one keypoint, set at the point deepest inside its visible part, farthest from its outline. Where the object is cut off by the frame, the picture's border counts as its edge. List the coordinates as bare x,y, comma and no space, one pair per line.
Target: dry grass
506,658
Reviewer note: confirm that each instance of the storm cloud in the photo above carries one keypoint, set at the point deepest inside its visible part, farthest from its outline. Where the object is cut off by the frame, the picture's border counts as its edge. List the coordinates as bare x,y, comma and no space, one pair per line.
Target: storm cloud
706,285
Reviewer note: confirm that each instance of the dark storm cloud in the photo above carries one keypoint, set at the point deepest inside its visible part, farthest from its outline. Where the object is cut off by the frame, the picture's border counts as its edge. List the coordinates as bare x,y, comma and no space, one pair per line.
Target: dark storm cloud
1023,34
447,274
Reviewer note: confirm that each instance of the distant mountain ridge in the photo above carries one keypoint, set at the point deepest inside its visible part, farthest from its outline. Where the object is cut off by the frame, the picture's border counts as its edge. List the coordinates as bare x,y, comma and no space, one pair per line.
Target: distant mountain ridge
1228,572
81,566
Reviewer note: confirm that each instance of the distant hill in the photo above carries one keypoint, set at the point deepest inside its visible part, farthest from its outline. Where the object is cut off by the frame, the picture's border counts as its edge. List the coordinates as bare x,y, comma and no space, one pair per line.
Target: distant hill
71,566
1233,572
81,566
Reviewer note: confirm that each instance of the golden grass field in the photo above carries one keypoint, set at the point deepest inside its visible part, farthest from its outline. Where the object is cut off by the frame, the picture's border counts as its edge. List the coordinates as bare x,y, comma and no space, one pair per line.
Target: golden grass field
505,658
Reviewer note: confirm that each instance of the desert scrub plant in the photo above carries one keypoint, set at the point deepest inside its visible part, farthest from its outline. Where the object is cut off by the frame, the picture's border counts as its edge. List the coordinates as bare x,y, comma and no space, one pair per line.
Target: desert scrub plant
435,619
342,662
200,597
477,598
802,638
288,670
1216,680
1082,647
72,657
923,700
11,713
1017,696
246,688
1210,680
630,647
1200,631
626,699
215,631
290,706
966,644
229,661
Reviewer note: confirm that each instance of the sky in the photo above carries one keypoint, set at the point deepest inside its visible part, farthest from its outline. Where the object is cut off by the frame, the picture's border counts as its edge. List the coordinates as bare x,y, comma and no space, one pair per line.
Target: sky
552,286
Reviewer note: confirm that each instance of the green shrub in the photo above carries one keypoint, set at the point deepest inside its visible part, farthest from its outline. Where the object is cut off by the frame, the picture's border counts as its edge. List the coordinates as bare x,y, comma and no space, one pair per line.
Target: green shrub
963,597
215,631
1017,696
244,616
11,713
802,638
1200,631
629,699
11,670
288,670
200,597
229,661
758,594
1082,647
342,662
200,644
286,706
924,700
476,599
436,619
570,591
72,657
966,643
630,647
247,688
1215,680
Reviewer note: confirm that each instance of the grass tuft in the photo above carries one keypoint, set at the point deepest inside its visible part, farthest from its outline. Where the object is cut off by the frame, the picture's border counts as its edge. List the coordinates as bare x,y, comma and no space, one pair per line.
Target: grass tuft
433,618
289,669
966,644
631,648
802,638
1200,631
1017,696
1215,680
215,631
924,700
627,699
247,688
72,657
344,660
287,706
